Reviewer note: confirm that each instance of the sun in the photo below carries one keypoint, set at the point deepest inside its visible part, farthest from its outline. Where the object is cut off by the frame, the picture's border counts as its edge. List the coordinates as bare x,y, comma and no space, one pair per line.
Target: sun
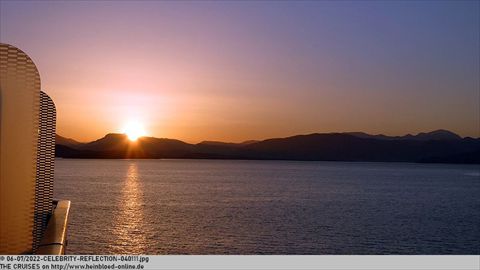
134,130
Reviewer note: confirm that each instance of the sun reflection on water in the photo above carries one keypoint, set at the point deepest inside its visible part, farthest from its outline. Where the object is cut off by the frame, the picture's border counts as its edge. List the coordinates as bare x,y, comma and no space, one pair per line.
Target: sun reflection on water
129,217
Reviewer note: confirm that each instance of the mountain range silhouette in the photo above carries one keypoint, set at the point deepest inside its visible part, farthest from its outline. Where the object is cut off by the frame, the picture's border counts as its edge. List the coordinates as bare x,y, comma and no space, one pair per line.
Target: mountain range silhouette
440,146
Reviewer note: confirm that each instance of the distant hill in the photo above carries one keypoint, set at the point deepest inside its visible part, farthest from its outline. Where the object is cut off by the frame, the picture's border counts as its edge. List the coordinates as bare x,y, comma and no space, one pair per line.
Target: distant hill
345,147
215,143
439,146
66,141
119,146
440,134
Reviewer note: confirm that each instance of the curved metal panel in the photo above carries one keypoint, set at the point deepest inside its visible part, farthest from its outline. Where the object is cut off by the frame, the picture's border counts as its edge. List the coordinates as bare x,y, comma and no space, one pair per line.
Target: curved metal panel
19,107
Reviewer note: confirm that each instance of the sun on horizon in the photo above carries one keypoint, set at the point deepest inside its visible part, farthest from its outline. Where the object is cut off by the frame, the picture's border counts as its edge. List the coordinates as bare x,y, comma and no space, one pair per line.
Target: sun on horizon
134,130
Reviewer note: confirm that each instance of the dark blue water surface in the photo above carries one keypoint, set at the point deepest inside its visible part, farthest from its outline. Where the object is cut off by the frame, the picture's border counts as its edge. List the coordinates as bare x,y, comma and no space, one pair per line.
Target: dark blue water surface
269,207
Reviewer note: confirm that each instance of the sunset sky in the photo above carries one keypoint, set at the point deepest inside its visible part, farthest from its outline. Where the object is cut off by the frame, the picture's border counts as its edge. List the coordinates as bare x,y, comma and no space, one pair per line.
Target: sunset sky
236,71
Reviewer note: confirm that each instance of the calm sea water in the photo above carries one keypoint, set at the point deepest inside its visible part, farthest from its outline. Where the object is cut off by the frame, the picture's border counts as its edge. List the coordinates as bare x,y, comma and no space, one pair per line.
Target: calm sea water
269,207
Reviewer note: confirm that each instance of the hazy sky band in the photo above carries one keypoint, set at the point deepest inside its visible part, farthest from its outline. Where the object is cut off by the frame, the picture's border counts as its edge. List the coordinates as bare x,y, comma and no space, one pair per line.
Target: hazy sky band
234,71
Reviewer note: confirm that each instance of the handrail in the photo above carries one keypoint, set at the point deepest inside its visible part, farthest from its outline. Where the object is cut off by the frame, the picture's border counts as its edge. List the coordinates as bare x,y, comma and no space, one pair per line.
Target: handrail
54,240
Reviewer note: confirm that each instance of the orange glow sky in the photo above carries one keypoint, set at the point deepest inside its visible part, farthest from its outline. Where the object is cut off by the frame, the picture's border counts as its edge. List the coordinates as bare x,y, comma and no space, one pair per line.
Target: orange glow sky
238,71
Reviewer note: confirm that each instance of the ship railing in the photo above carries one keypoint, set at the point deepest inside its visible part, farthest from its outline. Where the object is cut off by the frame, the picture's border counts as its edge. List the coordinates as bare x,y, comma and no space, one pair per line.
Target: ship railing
54,240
